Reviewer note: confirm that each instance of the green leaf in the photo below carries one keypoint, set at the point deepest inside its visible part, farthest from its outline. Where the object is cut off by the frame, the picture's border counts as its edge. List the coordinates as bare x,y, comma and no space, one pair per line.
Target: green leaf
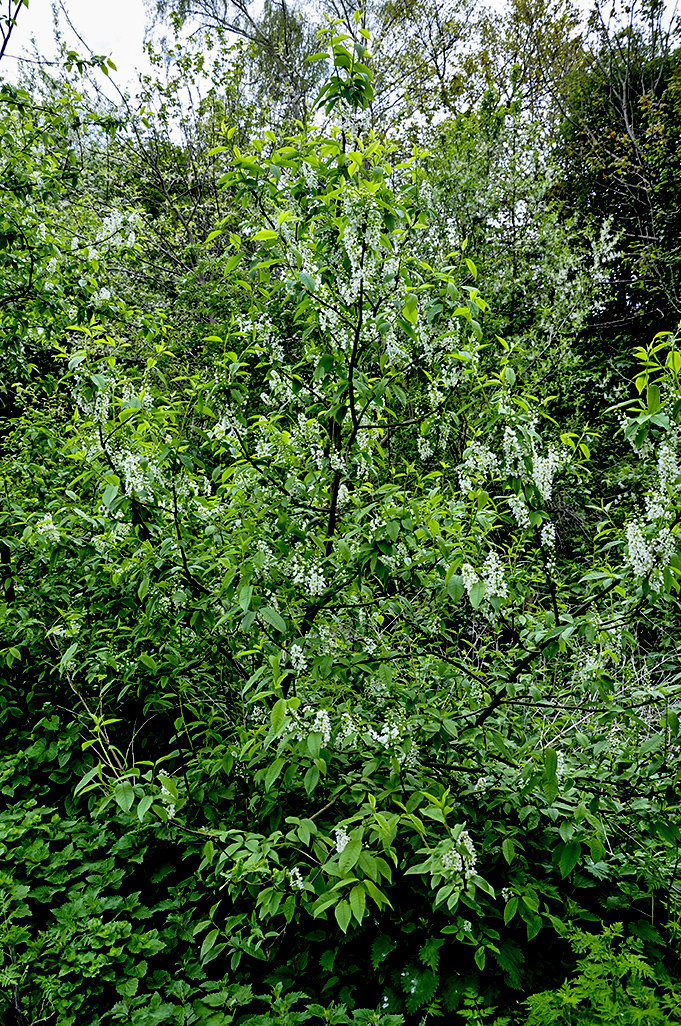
265,235
654,398
109,496
272,617
410,310
278,715
208,942
455,588
124,795
508,850
349,857
273,771
233,262
569,857
143,806
343,914
68,655
358,902
510,909
477,593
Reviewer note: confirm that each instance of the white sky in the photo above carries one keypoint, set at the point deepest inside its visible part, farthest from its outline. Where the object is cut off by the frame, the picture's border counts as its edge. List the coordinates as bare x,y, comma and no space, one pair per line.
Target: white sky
111,27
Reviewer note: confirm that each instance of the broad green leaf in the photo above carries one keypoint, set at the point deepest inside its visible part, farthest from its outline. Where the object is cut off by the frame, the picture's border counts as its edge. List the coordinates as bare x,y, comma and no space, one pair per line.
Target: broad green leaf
272,617
510,909
278,715
343,914
358,902
569,857
124,795
143,806
208,942
349,857
273,771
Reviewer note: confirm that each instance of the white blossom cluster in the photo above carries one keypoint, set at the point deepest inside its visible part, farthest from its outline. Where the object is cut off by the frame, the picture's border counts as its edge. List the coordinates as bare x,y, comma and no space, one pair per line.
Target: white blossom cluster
139,475
168,802
308,577
648,556
493,576
346,736
322,725
342,839
491,573
667,467
520,511
543,470
46,528
296,879
460,859
548,535
390,733
297,657
476,458
117,230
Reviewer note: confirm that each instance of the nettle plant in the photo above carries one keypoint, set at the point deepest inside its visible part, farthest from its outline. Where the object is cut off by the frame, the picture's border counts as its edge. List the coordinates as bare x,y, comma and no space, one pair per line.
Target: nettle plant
321,614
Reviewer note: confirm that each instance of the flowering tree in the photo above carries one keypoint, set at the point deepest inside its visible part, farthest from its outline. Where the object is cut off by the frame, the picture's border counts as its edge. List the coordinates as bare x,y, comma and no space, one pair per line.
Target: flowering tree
334,623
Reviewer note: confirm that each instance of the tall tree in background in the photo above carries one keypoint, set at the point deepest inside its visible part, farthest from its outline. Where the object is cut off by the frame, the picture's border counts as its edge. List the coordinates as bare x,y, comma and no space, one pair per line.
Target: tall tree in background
621,158
413,48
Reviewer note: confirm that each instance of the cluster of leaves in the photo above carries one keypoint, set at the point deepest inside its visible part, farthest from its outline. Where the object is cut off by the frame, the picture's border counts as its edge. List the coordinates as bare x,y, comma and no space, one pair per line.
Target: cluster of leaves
322,651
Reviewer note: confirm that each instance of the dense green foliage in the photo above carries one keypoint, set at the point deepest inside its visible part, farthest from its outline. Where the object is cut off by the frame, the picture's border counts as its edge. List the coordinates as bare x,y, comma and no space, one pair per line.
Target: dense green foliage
339,621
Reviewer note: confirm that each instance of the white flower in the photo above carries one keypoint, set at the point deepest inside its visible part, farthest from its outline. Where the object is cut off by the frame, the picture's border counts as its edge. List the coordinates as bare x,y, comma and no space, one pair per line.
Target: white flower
342,838
493,576
322,725
347,732
667,466
298,661
520,511
169,805
470,578
460,859
548,536
641,557
296,879
543,471
47,529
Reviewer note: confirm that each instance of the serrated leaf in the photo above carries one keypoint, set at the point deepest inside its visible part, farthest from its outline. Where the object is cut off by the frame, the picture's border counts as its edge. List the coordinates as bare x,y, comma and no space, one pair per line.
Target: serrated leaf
265,235
477,593
381,948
